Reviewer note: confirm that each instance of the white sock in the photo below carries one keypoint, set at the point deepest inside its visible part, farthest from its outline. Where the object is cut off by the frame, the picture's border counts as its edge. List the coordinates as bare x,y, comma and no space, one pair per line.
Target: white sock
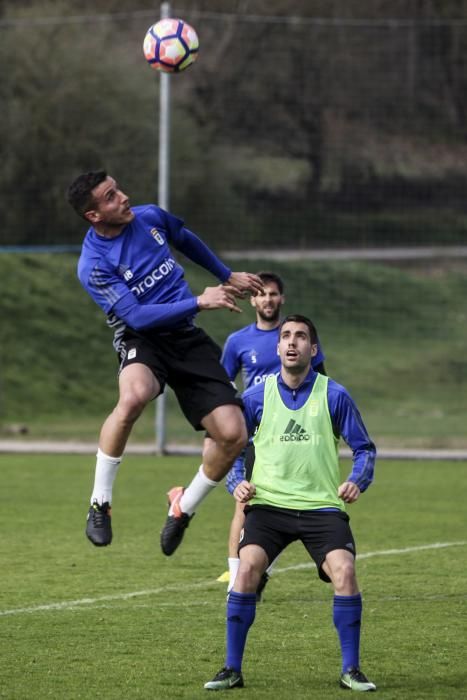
234,563
196,491
106,471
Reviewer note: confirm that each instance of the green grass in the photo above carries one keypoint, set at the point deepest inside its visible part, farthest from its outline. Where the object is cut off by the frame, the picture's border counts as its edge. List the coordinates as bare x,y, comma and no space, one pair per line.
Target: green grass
144,626
394,336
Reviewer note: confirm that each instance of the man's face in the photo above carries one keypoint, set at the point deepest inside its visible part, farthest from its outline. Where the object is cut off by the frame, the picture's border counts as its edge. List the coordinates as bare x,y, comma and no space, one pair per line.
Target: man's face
268,305
295,347
111,206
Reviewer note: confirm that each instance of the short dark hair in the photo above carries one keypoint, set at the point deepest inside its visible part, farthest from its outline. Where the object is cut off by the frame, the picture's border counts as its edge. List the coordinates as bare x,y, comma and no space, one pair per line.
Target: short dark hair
79,192
298,318
267,277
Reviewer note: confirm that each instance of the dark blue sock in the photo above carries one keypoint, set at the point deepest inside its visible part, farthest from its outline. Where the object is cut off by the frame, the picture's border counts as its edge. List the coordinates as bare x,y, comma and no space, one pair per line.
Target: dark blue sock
347,615
241,609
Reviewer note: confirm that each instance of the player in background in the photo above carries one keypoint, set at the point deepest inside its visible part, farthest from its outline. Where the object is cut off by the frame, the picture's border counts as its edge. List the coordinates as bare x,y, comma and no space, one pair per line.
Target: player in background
295,494
128,268
252,352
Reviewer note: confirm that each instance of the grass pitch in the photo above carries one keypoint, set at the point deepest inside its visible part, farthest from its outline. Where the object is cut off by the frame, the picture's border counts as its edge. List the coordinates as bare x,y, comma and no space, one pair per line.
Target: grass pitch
126,622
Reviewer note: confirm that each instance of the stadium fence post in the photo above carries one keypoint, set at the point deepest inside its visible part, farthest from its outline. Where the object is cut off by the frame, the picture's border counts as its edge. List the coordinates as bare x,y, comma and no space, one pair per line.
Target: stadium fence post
163,201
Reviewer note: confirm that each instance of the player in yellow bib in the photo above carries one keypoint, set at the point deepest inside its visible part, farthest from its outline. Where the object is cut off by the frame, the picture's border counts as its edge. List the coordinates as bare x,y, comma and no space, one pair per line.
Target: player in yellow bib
296,452
295,493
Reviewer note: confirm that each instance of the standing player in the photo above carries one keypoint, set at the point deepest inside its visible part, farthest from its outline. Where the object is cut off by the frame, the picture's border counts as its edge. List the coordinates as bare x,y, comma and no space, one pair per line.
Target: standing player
295,494
252,351
128,268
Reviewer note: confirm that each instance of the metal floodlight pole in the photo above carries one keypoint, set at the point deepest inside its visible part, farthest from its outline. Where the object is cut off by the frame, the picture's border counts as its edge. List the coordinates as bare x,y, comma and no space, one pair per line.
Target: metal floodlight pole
163,201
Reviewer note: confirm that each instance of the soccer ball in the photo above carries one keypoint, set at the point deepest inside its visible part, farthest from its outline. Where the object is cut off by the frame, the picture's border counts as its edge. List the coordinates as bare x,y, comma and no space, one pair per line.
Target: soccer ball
170,45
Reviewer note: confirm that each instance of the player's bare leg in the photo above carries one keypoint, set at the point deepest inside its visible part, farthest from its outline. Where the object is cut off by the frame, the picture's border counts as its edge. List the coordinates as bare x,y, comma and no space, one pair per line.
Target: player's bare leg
227,430
137,386
226,426
340,567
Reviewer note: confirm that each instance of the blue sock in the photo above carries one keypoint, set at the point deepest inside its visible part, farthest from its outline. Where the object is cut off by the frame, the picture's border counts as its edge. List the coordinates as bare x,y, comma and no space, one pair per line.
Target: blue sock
347,616
241,610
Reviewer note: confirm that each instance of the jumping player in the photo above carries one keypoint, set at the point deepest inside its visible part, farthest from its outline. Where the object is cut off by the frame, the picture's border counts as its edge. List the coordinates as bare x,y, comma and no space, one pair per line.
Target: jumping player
128,268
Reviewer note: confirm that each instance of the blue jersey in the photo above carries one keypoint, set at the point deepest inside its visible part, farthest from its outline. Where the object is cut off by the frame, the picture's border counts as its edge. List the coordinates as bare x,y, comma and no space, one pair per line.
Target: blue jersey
135,278
345,417
254,352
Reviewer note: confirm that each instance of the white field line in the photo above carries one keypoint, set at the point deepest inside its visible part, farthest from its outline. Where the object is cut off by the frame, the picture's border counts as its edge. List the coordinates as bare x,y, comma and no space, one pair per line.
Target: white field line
68,604
382,553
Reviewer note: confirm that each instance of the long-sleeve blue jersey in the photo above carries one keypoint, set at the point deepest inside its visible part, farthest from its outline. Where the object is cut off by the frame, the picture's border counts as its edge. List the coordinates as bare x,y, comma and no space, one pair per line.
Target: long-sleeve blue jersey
134,277
254,352
345,417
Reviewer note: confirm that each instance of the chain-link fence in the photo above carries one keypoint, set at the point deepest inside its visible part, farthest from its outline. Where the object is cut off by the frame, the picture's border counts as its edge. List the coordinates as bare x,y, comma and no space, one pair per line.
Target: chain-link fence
287,132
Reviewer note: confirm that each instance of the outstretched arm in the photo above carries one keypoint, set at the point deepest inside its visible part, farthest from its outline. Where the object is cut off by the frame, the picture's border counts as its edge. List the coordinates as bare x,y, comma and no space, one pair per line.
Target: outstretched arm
141,316
245,283
220,297
194,248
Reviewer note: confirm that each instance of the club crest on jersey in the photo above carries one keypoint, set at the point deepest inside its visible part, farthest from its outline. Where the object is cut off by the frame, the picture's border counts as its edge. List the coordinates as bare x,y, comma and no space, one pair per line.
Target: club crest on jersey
313,407
253,357
157,236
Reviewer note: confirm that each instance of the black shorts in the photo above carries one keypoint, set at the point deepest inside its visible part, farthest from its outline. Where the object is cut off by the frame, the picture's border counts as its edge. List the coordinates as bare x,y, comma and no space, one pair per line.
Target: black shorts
188,360
273,529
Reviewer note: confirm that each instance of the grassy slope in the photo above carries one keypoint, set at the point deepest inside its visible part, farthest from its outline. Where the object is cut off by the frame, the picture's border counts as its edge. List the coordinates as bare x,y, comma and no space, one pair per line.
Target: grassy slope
394,337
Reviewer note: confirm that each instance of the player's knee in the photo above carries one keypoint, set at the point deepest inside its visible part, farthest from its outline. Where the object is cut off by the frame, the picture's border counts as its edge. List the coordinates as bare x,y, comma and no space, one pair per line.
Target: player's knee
248,577
131,405
233,438
343,576
237,437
